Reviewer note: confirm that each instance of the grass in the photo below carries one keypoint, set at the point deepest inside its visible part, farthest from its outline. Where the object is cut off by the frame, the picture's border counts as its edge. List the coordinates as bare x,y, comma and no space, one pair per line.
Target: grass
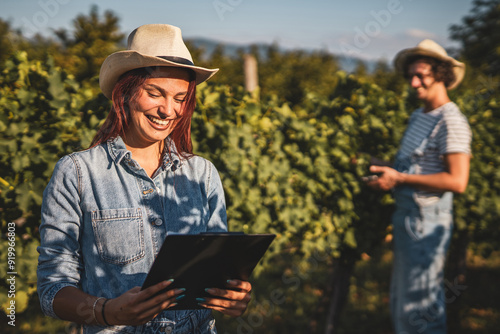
476,310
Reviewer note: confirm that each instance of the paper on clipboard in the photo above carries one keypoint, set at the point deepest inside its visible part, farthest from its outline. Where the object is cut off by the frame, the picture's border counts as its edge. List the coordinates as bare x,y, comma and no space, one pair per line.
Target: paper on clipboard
207,260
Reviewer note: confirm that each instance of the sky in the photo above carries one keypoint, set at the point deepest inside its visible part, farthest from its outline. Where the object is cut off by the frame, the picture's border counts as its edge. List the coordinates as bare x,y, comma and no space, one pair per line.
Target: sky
367,29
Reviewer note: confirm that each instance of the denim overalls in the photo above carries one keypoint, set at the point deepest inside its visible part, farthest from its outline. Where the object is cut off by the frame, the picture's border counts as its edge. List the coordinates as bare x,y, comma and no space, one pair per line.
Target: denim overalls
422,229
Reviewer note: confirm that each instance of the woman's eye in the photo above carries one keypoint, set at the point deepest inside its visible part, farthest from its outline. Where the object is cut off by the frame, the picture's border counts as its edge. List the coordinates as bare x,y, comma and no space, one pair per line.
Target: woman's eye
180,100
153,95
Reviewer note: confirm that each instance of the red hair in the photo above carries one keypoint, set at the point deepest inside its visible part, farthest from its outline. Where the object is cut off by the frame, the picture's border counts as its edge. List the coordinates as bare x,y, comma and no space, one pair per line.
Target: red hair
127,90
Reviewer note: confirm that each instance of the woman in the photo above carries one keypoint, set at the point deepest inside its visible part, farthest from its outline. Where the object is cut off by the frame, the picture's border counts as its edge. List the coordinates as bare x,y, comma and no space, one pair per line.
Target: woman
107,210
432,163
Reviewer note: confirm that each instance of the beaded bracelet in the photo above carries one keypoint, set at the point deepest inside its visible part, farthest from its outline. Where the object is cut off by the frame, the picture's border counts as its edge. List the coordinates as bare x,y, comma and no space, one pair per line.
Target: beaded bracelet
93,309
102,313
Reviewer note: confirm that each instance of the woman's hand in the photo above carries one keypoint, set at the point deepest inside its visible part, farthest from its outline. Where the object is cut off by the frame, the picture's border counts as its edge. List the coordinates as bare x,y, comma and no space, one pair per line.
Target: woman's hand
234,299
136,307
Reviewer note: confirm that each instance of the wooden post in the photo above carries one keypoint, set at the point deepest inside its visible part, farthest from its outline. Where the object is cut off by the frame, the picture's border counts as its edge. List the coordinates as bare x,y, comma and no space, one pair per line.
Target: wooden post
251,74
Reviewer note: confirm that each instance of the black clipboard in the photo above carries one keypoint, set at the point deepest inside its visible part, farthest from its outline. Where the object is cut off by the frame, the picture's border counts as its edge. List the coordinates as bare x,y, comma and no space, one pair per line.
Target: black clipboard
206,260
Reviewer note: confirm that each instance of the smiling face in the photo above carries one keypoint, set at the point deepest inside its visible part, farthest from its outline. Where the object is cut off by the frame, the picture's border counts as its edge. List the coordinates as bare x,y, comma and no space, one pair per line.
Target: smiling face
422,79
158,105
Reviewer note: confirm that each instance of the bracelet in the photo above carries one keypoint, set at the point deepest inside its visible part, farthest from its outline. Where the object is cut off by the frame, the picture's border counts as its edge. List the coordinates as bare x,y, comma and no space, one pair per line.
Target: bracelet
102,313
93,309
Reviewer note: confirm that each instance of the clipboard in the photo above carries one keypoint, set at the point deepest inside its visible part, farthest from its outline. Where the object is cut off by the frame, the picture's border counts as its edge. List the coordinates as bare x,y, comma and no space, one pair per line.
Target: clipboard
206,260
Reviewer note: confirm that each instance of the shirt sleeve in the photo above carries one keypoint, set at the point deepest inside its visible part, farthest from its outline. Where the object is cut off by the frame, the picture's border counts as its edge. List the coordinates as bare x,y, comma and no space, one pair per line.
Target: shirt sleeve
59,261
457,135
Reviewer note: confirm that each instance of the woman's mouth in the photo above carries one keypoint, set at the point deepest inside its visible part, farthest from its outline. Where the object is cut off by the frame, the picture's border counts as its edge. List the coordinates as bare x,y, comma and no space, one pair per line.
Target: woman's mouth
158,121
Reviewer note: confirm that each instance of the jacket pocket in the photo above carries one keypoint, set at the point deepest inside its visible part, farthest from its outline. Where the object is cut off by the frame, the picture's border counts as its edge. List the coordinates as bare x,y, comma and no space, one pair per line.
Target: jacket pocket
119,235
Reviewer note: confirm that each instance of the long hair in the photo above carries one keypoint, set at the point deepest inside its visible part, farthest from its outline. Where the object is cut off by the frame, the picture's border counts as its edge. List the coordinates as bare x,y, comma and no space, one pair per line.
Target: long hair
126,90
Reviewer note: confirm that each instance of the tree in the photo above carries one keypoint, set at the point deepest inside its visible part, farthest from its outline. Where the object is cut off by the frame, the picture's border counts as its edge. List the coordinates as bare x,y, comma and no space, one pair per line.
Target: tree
37,47
6,47
93,39
294,74
231,67
385,76
479,34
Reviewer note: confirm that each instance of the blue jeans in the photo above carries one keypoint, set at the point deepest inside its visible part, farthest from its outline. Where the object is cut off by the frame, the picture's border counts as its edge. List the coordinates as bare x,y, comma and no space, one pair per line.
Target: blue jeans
192,323
421,239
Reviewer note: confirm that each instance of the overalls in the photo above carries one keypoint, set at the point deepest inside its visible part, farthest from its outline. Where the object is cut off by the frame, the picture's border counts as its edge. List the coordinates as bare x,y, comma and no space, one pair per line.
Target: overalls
422,229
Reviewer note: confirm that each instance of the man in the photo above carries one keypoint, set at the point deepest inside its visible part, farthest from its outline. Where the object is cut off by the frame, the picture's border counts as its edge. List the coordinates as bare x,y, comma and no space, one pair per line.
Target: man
431,164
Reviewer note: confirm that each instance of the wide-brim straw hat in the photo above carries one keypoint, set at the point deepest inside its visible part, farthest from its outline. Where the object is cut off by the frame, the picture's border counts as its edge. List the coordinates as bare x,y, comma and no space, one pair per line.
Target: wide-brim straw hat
429,48
150,45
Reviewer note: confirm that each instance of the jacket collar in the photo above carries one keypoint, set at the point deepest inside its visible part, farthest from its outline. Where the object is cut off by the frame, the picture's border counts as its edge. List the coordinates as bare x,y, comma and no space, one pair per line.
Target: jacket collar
119,152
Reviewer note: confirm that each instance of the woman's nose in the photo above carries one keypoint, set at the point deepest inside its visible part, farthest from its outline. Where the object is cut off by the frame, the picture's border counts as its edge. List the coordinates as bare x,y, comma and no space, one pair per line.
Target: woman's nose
167,109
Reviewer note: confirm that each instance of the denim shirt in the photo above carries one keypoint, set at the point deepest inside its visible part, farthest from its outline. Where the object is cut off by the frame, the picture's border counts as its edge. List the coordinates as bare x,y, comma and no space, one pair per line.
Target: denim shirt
104,221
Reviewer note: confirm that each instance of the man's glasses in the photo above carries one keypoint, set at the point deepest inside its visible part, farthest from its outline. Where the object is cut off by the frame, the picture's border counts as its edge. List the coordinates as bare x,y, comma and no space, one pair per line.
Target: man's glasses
420,76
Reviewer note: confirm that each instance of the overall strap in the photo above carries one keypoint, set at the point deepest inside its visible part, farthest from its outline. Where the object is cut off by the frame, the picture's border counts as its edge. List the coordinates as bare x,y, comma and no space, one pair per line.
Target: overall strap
421,148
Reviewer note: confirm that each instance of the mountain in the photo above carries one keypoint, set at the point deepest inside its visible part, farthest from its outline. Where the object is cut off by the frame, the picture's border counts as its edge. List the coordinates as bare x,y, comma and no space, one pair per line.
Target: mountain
348,64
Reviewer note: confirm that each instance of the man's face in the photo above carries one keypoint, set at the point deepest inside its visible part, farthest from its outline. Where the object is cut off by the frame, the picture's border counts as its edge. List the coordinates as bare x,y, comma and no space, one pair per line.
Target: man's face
422,79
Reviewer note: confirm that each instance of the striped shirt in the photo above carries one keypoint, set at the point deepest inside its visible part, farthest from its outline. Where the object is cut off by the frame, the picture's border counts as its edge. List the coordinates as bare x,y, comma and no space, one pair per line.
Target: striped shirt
447,131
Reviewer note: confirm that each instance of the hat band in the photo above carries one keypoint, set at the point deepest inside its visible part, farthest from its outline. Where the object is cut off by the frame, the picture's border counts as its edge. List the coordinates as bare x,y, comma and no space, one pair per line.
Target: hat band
178,60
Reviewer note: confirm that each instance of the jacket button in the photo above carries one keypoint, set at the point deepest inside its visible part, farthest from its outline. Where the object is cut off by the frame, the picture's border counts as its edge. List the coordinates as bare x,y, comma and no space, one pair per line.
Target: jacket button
167,329
158,222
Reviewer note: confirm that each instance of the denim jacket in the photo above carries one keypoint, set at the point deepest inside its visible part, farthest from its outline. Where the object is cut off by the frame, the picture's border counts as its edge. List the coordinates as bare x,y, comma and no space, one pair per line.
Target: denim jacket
104,221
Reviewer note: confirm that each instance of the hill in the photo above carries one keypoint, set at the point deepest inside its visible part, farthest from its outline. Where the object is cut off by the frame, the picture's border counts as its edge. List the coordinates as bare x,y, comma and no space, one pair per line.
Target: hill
348,64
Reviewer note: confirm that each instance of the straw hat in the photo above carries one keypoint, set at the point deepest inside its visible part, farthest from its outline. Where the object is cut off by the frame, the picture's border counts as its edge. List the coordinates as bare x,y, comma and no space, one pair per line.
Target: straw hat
150,45
430,48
